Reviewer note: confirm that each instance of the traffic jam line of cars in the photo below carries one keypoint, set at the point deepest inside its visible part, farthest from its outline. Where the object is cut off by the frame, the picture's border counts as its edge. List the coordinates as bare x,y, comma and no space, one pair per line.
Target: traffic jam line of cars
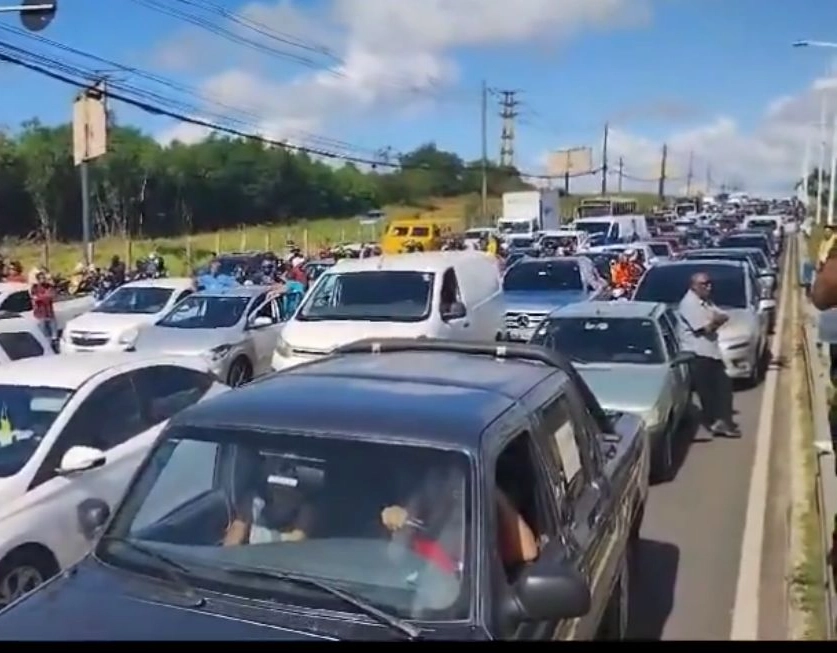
509,480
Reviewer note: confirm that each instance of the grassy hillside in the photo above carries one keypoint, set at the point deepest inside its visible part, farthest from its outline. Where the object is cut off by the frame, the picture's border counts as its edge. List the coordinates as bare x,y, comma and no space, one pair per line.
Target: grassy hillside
183,252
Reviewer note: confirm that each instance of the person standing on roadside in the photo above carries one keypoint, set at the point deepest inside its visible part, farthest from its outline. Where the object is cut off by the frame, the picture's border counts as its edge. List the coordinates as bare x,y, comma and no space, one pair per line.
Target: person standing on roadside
699,320
43,305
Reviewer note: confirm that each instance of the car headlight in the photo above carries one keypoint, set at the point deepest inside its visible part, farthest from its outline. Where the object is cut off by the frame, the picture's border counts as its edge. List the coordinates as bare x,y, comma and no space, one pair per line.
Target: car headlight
129,337
651,417
218,353
282,348
737,344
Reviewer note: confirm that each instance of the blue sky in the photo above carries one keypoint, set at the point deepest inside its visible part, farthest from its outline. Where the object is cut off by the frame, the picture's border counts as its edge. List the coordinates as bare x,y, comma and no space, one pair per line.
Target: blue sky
699,74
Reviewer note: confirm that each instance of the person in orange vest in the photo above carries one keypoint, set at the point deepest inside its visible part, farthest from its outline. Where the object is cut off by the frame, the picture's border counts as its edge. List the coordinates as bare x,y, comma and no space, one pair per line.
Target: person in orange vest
620,272
635,267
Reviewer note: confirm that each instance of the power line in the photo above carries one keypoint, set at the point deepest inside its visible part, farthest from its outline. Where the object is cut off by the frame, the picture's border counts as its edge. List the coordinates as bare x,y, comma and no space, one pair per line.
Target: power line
150,108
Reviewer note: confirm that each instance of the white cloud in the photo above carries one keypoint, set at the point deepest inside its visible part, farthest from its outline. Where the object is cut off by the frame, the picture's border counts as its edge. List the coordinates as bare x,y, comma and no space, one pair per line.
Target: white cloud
393,55
765,158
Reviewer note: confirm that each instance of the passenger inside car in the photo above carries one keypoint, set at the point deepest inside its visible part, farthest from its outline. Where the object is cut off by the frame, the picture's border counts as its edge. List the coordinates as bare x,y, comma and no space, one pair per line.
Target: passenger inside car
277,510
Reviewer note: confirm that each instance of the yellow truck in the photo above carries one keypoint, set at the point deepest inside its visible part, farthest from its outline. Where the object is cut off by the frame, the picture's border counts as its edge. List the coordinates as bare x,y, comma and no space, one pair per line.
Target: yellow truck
412,235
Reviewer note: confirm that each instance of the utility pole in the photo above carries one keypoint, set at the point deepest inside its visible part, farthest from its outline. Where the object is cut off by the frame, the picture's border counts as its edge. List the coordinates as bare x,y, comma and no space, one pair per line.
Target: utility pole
90,126
690,175
708,180
661,190
484,137
604,158
508,112
621,172
823,110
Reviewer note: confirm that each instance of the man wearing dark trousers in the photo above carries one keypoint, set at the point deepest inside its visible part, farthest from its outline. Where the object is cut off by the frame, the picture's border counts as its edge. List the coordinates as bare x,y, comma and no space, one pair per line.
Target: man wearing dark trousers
699,320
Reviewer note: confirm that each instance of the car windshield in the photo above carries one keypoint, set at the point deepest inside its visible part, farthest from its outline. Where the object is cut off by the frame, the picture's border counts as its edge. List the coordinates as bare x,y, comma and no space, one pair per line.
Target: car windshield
761,224
543,275
603,339
293,504
206,312
377,295
140,300
521,243
26,413
744,241
668,284
592,227
515,227
659,249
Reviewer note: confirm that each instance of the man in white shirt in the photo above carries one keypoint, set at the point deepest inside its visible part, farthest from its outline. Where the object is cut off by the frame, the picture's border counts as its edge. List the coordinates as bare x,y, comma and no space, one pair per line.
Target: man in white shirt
699,320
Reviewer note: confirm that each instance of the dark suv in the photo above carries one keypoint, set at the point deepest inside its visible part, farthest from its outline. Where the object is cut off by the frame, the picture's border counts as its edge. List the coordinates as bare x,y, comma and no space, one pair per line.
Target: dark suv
398,489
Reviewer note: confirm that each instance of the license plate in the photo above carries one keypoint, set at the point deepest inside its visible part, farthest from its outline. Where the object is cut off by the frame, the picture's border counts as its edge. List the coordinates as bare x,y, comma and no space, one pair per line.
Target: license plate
82,350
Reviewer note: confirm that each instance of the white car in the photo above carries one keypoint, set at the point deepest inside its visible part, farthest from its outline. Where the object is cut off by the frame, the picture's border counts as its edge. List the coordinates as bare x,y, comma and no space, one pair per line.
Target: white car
21,337
73,429
15,298
113,324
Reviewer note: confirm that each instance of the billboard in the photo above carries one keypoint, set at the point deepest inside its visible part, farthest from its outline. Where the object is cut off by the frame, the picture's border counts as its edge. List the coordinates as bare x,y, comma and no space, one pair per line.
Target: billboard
572,161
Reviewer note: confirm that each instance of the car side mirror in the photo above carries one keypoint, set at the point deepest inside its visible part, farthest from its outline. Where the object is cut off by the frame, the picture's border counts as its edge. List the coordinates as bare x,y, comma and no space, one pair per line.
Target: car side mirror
260,322
551,588
456,311
682,358
81,459
92,515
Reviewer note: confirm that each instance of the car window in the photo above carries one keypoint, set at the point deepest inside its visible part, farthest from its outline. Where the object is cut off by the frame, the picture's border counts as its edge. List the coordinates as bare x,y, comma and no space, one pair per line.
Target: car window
562,447
192,472
165,390
17,302
403,542
449,292
20,344
183,295
108,416
669,336
257,305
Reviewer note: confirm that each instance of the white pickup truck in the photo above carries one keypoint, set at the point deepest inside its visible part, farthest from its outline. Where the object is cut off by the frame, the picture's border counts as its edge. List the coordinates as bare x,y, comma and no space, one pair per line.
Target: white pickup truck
14,298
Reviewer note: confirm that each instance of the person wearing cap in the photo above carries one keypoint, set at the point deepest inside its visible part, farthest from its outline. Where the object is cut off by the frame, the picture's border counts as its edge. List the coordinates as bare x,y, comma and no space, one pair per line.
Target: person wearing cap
278,512
215,280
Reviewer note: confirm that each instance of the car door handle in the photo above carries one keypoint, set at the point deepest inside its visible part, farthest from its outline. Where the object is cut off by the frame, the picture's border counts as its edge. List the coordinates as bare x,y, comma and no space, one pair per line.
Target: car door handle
466,324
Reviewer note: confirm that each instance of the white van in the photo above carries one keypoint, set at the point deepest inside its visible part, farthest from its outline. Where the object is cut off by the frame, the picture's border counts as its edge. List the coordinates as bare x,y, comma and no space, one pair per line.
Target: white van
452,295
610,229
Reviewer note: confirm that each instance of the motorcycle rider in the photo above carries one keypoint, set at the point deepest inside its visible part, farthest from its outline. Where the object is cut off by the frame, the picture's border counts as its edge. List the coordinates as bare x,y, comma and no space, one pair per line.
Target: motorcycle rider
620,272
635,267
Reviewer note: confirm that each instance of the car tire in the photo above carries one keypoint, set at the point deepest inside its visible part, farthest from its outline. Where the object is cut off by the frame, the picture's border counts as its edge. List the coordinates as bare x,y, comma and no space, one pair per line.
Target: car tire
614,626
241,372
662,461
22,571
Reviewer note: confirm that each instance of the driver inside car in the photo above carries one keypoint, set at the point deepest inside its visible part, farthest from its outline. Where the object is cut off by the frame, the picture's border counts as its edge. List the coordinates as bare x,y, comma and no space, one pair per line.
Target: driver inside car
279,512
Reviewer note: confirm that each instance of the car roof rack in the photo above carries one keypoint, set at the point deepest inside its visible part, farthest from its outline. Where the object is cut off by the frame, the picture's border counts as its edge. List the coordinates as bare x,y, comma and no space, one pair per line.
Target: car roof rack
503,351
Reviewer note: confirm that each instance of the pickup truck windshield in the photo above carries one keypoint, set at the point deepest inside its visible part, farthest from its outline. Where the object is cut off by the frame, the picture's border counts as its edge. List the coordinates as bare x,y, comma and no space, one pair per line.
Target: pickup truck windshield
206,312
376,295
603,340
305,506
26,413
139,300
668,284
543,275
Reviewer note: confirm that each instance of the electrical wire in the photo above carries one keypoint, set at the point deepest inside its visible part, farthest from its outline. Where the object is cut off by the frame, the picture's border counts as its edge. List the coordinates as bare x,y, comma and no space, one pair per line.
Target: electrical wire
83,80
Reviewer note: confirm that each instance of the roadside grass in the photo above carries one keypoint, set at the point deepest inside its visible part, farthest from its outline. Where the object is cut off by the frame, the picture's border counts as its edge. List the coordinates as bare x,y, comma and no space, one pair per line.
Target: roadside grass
807,582
184,252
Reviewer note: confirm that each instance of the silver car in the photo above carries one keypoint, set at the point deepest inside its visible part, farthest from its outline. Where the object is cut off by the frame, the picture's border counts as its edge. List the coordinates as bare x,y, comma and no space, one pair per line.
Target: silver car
235,330
628,353
735,289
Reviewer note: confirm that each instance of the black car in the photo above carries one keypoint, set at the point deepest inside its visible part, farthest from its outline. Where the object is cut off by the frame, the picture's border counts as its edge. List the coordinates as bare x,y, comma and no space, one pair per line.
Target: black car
261,515
757,239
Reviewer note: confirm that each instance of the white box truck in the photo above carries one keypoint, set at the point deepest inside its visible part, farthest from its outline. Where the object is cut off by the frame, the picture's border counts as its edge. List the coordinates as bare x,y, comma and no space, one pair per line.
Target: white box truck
527,212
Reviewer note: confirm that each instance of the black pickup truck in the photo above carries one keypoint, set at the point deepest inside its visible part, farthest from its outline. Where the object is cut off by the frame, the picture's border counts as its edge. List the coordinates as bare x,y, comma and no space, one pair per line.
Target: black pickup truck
386,492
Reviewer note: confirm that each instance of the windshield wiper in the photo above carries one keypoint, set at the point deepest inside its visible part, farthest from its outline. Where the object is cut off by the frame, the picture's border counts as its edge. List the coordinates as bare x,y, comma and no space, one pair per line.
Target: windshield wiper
173,569
404,627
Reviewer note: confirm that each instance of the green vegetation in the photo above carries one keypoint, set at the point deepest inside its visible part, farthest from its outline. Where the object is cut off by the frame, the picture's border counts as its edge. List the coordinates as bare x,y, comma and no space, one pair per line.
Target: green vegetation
187,201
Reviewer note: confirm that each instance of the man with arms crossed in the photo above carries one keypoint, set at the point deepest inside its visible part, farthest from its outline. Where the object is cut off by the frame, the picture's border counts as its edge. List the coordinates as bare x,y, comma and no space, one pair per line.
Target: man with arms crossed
699,320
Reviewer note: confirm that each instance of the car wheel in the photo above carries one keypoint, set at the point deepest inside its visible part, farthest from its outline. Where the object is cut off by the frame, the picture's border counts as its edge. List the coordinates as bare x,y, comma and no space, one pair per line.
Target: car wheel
663,456
241,372
21,572
614,624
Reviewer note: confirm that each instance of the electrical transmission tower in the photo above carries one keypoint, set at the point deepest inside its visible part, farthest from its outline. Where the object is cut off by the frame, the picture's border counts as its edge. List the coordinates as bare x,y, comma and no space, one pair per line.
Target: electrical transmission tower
508,112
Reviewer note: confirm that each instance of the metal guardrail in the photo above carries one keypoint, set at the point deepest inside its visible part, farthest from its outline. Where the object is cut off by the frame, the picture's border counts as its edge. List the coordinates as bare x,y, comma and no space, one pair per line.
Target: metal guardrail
818,378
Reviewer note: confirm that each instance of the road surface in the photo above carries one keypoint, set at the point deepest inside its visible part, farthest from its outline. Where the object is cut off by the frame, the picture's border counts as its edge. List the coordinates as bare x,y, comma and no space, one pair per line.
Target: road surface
686,583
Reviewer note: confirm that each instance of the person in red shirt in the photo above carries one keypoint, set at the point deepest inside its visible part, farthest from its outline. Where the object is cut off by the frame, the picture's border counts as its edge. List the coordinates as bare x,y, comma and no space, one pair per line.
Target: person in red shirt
43,304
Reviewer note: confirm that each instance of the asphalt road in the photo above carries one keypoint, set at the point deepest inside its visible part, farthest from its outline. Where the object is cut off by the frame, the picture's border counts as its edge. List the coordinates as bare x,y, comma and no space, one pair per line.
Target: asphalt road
687,563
